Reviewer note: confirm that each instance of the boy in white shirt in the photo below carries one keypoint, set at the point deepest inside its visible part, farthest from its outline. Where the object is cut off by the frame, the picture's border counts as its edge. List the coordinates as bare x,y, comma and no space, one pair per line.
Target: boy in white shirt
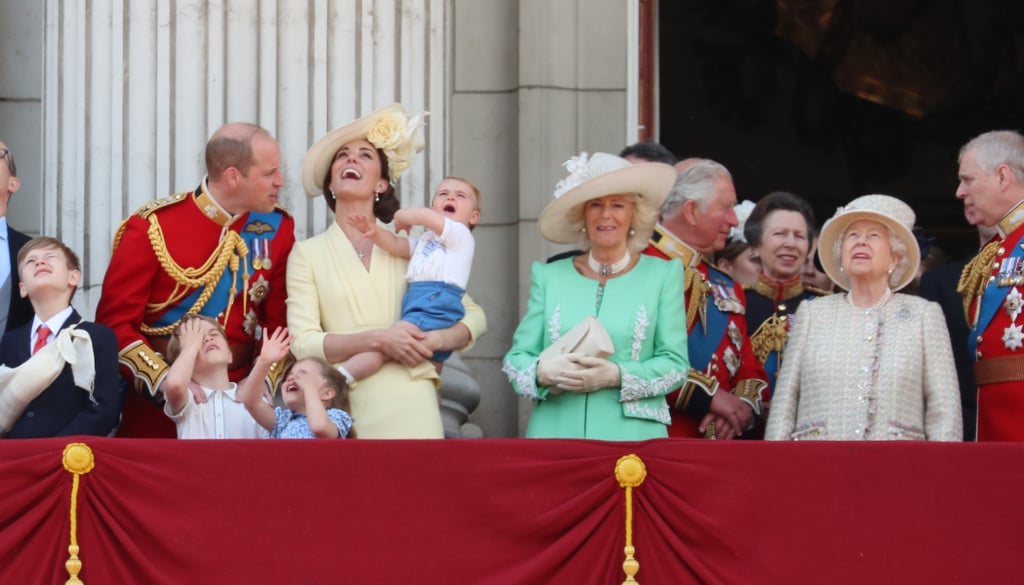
440,260
200,355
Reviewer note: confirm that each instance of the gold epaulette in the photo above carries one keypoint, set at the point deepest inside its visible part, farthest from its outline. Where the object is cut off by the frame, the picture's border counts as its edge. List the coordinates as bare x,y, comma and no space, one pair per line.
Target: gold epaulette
770,336
144,212
147,366
816,291
148,209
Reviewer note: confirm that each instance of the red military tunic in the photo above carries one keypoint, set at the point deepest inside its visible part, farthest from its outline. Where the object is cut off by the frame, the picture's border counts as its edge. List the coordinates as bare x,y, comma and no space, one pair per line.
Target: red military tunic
993,289
186,254
720,353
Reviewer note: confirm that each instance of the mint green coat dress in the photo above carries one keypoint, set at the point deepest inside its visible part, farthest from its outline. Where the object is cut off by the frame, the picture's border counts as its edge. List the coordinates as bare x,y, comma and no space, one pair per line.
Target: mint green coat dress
645,317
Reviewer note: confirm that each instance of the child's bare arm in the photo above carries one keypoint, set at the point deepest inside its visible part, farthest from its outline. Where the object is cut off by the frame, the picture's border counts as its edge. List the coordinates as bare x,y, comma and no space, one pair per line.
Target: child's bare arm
179,375
395,245
316,415
423,216
250,390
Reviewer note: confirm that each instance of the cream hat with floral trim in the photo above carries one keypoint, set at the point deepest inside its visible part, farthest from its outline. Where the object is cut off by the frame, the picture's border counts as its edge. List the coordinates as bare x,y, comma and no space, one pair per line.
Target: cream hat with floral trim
888,211
597,176
388,128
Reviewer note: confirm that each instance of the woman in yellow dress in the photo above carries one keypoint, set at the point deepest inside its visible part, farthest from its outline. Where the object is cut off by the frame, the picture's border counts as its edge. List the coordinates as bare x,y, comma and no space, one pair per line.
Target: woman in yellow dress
345,294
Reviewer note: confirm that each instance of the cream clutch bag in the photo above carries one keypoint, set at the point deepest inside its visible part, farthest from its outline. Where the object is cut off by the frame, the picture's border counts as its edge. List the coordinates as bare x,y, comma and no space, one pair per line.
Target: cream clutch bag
588,337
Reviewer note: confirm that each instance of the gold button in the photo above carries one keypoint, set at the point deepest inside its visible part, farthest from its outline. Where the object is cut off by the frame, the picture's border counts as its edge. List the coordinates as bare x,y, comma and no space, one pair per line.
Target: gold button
1000,251
979,340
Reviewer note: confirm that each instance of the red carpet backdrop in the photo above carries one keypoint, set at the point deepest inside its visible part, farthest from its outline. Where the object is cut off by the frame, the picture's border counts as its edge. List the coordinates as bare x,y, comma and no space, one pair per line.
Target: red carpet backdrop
508,511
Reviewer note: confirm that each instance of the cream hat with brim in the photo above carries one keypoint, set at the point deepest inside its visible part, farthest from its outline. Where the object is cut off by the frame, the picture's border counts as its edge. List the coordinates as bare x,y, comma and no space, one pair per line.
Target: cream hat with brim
600,175
888,211
387,128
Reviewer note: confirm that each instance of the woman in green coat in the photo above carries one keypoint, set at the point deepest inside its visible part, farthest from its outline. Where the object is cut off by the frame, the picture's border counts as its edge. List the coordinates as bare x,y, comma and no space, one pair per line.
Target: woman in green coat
609,207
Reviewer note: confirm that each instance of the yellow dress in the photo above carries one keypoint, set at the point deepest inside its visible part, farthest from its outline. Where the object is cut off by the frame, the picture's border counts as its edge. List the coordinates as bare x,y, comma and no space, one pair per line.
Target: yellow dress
330,291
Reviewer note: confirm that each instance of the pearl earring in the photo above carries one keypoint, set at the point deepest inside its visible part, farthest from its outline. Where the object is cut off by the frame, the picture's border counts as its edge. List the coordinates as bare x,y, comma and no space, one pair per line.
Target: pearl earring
583,230
632,232
376,197
331,191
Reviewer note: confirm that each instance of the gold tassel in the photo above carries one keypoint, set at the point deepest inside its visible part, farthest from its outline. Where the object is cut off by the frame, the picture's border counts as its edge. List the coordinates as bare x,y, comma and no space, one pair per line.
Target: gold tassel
770,336
77,459
697,290
630,471
974,278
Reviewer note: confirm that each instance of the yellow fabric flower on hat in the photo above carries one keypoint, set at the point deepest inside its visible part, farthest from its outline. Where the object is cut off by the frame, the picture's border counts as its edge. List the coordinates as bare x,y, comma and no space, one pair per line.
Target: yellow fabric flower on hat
386,134
400,138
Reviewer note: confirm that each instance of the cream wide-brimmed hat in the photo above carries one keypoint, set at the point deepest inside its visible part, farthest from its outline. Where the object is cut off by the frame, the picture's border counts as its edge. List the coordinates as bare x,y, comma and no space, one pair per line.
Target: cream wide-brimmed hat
387,128
888,211
599,175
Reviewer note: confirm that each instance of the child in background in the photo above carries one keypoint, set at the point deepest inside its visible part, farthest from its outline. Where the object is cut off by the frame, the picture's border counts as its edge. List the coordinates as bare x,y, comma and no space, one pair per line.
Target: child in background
63,378
315,396
439,263
199,354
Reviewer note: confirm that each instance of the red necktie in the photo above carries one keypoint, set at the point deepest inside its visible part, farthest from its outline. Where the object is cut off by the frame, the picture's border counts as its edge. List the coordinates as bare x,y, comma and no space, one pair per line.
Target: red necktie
43,334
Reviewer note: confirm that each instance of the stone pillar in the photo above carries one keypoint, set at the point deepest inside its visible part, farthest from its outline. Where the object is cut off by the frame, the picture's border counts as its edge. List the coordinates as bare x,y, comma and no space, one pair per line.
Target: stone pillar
132,91
21,73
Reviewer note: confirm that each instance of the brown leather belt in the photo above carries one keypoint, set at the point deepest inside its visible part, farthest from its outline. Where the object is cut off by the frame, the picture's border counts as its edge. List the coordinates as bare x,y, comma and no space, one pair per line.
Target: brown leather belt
999,369
241,353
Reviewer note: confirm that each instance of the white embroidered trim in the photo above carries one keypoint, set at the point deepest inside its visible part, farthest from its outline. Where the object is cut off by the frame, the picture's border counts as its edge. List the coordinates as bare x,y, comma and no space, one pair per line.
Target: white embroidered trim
524,381
635,388
640,332
643,410
555,324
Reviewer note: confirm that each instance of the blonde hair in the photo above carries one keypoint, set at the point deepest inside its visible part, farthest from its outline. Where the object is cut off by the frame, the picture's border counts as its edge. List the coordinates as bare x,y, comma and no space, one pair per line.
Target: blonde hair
640,226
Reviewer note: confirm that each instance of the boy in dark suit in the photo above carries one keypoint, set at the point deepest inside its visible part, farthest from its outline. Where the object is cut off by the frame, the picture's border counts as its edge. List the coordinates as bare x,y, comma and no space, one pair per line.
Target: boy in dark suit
50,272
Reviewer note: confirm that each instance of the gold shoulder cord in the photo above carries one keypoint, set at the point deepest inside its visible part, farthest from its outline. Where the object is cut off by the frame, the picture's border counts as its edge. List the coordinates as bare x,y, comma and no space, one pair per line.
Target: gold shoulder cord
975,277
770,336
227,254
697,291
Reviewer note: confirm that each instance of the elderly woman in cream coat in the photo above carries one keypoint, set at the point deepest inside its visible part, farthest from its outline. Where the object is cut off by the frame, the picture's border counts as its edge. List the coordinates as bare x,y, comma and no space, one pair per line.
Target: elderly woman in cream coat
868,364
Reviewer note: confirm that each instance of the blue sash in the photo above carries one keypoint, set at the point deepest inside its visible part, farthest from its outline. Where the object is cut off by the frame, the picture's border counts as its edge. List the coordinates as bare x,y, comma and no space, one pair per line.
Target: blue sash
990,301
703,345
256,225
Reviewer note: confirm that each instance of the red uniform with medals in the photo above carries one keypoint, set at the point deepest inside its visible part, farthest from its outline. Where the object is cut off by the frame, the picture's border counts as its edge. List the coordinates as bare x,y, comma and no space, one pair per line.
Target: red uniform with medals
993,288
186,254
721,357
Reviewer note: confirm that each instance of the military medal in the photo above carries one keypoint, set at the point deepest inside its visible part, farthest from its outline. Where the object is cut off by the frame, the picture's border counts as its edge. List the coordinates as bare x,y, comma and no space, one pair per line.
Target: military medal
257,252
1013,303
1010,272
726,299
732,361
266,255
1013,337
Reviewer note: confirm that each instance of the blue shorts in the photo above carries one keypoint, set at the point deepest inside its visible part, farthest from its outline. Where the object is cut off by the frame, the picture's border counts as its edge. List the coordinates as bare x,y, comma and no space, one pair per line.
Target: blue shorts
433,305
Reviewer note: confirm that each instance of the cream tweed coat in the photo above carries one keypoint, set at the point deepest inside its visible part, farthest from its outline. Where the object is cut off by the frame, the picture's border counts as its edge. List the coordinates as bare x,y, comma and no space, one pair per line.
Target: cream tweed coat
879,374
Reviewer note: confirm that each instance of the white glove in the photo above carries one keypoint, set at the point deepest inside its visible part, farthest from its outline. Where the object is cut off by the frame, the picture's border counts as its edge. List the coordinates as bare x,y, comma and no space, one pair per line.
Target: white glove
596,374
551,370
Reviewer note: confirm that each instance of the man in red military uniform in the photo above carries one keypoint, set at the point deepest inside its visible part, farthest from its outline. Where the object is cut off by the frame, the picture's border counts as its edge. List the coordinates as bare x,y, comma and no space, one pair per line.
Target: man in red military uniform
219,251
726,383
992,189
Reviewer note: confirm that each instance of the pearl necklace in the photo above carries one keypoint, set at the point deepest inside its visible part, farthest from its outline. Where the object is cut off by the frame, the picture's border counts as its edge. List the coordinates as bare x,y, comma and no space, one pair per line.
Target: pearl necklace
606,270
878,304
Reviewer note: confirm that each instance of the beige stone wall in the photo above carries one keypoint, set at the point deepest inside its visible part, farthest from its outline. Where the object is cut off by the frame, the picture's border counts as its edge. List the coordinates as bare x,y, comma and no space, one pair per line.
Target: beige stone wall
534,82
